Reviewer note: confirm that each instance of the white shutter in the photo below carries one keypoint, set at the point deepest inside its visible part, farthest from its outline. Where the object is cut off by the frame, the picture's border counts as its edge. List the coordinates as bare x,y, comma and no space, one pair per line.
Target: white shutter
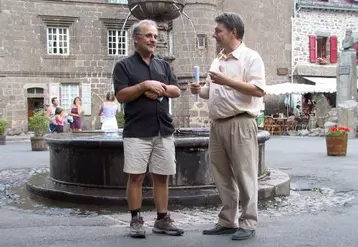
86,98
54,91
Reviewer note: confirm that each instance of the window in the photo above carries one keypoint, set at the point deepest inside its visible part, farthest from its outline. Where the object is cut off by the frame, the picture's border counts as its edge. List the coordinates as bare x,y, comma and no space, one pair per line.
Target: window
35,90
117,43
321,47
67,93
320,50
201,41
118,1
57,41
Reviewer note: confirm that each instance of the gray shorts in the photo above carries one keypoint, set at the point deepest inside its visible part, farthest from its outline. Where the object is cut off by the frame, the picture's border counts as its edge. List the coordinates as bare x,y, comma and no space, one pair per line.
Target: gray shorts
156,152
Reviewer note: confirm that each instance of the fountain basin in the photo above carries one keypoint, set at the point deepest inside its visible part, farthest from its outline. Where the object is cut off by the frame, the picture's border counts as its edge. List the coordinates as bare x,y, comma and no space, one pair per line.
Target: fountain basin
95,159
87,167
157,10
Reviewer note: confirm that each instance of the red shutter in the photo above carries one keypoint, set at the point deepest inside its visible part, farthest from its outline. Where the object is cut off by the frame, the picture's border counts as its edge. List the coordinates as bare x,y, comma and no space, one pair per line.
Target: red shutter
355,46
313,48
333,49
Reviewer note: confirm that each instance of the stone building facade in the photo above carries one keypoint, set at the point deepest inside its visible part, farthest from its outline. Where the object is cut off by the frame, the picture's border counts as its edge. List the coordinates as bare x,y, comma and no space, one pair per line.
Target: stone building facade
318,31
68,48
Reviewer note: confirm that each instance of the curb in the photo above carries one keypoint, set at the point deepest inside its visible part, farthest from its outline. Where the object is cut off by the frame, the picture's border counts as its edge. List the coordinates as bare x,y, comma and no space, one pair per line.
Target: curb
278,184
11,139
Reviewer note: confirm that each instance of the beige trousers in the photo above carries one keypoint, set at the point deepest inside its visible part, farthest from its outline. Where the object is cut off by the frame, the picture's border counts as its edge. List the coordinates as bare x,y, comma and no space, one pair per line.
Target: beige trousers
234,159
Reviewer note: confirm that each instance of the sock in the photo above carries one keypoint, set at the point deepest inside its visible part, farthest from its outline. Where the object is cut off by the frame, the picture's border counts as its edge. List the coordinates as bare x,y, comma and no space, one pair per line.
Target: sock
161,216
135,212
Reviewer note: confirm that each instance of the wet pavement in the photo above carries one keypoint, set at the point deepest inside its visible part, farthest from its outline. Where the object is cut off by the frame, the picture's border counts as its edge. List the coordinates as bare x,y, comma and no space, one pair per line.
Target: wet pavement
320,211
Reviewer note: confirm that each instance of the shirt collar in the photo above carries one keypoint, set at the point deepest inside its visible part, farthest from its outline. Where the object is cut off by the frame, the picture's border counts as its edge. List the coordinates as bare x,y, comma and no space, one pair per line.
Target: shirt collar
234,54
139,56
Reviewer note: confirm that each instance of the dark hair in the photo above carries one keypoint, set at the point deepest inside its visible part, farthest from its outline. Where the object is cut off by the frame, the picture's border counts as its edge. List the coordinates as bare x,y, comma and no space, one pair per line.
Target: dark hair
232,21
110,96
74,100
53,99
58,110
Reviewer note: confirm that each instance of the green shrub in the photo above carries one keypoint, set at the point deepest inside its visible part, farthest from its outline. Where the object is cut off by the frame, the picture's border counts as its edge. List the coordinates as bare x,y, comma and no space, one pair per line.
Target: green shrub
38,123
120,119
3,127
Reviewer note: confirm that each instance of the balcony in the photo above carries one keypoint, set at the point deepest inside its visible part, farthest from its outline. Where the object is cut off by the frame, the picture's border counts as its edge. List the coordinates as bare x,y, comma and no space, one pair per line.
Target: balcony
344,5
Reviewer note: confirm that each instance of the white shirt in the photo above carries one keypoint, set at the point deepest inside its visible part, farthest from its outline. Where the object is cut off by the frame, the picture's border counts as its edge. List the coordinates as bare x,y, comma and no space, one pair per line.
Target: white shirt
244,65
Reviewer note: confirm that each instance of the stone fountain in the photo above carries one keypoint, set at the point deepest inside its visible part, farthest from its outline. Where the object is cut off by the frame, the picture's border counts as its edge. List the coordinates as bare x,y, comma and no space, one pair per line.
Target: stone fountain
87,167
157,10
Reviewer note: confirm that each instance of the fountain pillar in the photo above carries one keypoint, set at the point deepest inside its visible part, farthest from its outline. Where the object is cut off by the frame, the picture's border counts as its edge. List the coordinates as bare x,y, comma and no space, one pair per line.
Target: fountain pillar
163,43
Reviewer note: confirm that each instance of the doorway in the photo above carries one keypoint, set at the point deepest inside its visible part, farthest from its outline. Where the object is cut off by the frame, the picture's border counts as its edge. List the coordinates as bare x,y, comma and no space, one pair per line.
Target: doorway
33,105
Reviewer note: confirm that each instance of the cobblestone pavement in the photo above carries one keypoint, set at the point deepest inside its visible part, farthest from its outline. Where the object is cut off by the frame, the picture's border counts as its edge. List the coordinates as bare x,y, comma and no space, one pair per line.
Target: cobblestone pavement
307,197
323,201
13,196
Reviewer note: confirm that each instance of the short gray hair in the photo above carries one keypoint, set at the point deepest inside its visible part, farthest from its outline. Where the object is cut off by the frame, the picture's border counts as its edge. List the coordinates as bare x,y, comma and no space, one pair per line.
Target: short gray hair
136,26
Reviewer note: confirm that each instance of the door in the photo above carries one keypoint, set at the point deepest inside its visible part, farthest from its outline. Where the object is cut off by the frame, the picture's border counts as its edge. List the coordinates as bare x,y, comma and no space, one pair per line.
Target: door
33,105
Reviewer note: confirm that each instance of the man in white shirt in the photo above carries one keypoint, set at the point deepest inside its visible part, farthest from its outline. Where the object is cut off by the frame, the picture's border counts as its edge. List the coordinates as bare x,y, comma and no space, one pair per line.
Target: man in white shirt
234,90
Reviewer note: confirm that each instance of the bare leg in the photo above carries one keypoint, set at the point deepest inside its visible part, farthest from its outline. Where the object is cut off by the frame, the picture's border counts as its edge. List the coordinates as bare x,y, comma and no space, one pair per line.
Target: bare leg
160,192
134,191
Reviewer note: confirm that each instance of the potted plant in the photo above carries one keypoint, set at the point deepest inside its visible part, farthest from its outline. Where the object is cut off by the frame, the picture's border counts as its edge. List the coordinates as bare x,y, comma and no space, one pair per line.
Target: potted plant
337,140
3,128
39,125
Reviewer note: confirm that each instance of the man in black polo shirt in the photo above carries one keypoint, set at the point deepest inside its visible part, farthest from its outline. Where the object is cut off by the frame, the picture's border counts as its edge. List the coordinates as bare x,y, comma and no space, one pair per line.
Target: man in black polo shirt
145,84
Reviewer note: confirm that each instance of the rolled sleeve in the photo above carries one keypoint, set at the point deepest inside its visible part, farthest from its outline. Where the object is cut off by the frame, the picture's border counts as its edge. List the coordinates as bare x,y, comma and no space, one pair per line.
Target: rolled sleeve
120,77
256,73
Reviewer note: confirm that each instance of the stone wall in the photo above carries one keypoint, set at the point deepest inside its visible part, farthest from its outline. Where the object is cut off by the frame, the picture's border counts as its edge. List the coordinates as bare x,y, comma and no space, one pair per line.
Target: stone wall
202,14
316,22
24,61
267,30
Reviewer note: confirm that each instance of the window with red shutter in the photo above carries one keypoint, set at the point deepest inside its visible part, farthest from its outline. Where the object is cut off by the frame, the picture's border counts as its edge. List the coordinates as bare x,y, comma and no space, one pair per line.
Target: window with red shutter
322,47
333,49
313,48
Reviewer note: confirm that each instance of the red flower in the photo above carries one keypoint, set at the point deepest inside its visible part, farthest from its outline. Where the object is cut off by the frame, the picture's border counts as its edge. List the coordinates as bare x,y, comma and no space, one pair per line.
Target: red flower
333,129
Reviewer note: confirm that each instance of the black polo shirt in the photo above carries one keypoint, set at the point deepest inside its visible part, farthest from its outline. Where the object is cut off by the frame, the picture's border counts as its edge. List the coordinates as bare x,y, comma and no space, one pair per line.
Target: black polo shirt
144,117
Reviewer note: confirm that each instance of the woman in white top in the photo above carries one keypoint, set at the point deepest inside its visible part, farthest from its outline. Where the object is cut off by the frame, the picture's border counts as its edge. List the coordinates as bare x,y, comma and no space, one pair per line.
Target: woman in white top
108,112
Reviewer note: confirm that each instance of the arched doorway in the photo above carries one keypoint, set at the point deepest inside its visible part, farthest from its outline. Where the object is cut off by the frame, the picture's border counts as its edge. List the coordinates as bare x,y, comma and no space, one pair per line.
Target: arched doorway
35,100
